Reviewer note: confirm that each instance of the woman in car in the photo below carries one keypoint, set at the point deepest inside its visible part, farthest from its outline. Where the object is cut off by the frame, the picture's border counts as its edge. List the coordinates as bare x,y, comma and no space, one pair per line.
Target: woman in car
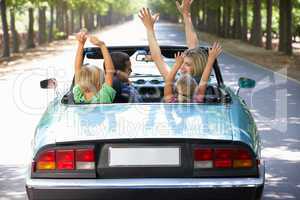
186,86
195,59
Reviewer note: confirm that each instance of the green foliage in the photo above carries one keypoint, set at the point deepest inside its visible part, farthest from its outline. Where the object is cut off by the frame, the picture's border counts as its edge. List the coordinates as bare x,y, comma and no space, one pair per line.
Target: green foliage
58,35
164,7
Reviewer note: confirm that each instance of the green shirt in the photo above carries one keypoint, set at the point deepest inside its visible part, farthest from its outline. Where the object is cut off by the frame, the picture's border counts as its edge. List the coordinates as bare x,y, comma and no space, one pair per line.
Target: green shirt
105,95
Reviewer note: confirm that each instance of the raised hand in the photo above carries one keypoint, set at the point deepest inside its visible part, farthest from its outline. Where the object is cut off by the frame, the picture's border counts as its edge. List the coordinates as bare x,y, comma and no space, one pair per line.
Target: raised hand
81,37
214,51
95,41
178,59
147,18
184,7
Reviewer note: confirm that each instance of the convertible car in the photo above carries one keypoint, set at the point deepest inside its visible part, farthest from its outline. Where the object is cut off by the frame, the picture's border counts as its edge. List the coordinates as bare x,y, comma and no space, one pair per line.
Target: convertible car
147,150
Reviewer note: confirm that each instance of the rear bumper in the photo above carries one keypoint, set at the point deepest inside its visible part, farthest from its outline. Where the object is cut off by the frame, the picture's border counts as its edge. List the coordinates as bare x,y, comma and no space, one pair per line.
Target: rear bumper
156,188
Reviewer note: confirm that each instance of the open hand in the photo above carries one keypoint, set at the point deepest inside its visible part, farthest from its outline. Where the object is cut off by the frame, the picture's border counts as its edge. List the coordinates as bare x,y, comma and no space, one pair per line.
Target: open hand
178,59
81,37
184,7
214,51
95,41
147,18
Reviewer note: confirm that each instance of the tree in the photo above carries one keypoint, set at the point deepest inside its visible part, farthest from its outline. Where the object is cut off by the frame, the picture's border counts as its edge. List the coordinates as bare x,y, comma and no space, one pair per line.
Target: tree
226,17
269,24
50,32
5,41
285,26
256,32
212,16
14,32
237,26
30,34
42,25
245,20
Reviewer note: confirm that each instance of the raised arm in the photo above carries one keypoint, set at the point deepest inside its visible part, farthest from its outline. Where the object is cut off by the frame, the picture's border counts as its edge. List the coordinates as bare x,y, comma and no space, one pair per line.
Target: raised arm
190,33
81,38
109,66
148,21
169,81
213,53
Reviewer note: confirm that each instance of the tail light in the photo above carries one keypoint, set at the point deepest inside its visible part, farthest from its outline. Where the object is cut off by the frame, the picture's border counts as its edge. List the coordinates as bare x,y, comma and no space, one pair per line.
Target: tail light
203,158
85,159
46,160
66,159
222,158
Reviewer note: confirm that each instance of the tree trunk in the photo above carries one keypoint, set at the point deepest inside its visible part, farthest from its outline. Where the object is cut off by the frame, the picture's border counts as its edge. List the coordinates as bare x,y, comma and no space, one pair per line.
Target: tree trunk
42,25
86,21
80,18
66,21
15,35
212,17
195,13
91,21
98,21
204,15
237,20
219,26
227,18
5,41
269,24
245,20
285,26
30,34
72,22
59,17
256,32
50,35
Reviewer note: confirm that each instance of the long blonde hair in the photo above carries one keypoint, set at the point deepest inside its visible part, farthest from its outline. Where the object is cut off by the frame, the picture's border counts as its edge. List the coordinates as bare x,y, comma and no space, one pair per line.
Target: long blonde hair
199,57
90,78
186,87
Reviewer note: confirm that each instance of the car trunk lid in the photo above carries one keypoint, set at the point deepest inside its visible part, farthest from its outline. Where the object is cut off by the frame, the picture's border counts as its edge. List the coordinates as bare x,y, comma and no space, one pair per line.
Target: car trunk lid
142,121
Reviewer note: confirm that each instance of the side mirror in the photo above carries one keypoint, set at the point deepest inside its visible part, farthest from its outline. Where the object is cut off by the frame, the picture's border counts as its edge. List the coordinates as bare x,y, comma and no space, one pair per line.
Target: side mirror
245,83
48,83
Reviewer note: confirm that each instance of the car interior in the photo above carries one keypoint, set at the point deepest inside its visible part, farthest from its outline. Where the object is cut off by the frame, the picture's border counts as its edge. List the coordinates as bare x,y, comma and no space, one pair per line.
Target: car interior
150,86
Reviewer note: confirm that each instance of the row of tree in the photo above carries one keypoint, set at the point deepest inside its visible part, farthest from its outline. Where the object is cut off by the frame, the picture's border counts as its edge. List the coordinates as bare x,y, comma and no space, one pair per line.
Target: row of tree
254,21
59,18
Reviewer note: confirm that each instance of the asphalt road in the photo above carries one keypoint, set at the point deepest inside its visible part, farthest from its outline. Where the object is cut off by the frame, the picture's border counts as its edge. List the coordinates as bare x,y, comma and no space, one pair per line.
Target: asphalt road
275,104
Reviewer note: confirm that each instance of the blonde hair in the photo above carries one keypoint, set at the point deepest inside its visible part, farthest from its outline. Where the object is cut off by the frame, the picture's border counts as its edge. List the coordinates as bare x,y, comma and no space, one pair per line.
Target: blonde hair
199,57
186,87
90,78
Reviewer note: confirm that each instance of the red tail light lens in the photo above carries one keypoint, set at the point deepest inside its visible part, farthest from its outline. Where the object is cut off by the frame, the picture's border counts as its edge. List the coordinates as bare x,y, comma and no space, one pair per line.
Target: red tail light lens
85,159
85,155
65,159
223,158
203,158
46,160
203,154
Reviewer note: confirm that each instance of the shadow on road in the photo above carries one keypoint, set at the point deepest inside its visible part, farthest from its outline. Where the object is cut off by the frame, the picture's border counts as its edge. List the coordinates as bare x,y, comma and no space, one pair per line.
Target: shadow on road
12,182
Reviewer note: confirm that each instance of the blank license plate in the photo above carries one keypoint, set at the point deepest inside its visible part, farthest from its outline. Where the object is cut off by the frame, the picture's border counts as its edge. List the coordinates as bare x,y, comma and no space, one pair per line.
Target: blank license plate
144,157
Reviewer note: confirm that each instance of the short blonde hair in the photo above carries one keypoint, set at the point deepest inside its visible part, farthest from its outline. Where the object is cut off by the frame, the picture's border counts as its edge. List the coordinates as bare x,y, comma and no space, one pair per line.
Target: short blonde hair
199,57
186,87
90,78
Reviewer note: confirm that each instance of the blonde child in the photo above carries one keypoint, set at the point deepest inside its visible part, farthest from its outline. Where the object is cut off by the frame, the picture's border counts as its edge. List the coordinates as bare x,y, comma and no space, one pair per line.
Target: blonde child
88,85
